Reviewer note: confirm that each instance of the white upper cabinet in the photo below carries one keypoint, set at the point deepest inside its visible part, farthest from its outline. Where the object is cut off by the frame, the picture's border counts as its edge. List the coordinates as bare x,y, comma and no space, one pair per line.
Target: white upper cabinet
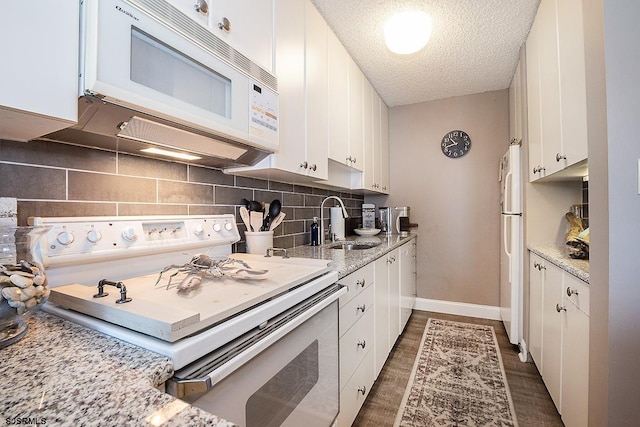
556,88
39,75
385,181
338,63
375,175
245,25
355,158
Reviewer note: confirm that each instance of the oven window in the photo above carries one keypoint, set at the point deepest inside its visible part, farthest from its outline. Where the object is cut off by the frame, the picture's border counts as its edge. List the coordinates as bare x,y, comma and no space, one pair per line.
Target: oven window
161,68
270,405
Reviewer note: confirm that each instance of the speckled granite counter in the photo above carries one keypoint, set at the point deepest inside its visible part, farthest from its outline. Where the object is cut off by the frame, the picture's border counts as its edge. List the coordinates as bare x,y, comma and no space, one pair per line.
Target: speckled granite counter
557,255
63,374
348,261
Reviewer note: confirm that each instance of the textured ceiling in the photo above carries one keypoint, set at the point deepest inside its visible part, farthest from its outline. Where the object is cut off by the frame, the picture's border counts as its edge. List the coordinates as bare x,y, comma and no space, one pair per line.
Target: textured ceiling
473,48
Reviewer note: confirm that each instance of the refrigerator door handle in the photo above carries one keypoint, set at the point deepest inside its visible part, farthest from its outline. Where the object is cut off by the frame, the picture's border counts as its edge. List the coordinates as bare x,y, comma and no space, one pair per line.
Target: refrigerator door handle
507,219
512,213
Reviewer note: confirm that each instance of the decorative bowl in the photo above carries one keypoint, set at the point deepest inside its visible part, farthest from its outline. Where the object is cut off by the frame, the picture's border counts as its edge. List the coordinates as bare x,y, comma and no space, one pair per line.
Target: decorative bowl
367,232
23,283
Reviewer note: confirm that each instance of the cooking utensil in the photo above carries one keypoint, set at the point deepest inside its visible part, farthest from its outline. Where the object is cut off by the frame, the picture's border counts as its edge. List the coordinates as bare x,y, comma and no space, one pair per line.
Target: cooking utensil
255,206
244,214
256,220
277,220
273,209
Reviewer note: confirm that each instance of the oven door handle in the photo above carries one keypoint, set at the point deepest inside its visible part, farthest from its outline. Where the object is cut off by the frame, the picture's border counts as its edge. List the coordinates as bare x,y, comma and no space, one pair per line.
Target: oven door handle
187,387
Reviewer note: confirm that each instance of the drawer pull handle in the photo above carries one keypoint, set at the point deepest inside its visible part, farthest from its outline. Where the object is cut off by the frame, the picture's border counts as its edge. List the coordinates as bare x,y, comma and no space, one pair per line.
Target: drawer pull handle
559,308
362,390
361,282
362,344
571,292
362,307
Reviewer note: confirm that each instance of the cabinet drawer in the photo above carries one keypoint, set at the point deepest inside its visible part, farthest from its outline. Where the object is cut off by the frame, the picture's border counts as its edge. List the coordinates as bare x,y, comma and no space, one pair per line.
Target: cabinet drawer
577,292
356,282
354,393
354,346
355,309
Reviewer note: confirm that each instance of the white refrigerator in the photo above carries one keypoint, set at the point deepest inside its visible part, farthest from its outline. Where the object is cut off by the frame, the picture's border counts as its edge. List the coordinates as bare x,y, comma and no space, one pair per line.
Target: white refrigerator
511,236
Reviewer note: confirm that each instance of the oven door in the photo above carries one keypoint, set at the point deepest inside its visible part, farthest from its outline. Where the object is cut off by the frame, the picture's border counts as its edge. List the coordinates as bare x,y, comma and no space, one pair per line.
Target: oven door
284,377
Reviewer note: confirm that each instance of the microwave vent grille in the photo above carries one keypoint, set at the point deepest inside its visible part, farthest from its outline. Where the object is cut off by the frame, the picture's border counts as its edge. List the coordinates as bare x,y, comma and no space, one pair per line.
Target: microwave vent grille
172,17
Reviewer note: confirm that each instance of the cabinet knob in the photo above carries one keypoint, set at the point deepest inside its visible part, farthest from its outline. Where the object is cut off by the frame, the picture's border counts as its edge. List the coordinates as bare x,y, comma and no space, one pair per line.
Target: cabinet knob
202,7
560,157
560,308
536,264
362,343
362,308
304,165
313,167
225,25
361,282
538,169
362,390
571,291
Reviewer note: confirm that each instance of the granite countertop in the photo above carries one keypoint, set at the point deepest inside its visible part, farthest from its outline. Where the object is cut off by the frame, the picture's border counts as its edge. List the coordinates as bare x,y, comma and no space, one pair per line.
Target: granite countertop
63,374
557,255
347,261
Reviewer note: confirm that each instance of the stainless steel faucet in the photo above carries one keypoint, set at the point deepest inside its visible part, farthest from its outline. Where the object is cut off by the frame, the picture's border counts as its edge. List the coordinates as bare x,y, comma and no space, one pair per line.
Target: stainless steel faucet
344,214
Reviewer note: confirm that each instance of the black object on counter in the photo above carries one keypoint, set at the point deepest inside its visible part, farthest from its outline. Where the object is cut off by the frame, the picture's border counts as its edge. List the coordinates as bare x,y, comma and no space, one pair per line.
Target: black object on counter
314,232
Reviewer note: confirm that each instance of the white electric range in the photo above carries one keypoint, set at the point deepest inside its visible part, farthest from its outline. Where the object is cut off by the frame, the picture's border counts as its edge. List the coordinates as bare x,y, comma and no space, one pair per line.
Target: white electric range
254,313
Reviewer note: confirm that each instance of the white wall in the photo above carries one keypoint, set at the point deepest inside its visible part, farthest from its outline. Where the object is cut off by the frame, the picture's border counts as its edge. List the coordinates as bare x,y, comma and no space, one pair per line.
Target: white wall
455,202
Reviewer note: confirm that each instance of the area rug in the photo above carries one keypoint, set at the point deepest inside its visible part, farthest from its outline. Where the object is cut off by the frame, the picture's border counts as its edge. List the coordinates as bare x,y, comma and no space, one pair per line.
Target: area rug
457,380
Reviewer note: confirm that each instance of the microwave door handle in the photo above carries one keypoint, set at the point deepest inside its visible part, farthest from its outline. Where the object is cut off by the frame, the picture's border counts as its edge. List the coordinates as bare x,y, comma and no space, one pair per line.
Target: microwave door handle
184,388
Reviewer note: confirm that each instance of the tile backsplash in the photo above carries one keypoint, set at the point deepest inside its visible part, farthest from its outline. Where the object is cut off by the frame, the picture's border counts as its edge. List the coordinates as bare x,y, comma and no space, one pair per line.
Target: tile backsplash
53,179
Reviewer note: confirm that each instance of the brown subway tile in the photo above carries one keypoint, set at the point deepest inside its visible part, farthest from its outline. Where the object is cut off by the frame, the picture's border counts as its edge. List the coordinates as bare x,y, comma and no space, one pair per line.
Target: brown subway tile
211,210
307,213
103,187
280,186
231,195
293,227
26,182
302,239
302,189
209,176
125,209
289,199
267,196
152,168
57,209
183,192
321,192
283,242
48,153
242,181
313,201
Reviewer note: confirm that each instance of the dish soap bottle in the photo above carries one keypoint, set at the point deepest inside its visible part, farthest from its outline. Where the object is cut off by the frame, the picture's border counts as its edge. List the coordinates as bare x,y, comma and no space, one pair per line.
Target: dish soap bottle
314,232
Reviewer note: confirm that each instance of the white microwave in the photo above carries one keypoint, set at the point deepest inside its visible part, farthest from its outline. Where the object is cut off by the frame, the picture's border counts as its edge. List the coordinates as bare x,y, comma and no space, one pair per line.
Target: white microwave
152,77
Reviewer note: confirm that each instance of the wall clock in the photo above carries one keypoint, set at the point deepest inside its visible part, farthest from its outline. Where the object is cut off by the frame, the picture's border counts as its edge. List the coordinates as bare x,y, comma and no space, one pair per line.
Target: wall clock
455,144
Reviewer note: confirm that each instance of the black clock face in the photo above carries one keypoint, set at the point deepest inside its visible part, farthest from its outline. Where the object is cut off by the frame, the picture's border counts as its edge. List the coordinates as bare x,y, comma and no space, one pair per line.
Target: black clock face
455,144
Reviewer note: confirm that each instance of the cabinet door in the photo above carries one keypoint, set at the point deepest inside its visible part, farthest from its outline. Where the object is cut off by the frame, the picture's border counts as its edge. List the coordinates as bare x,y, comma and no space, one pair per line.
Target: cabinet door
536,287
377,143
533,100
552,332
385,180
39,75
573,93
369,169
338,64
394,296
251,27
317,149
407,282
289,67
382,342
575,364
356,138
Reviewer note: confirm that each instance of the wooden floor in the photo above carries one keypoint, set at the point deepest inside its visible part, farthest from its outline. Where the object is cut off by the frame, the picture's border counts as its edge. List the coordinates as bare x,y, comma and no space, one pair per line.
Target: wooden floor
532,402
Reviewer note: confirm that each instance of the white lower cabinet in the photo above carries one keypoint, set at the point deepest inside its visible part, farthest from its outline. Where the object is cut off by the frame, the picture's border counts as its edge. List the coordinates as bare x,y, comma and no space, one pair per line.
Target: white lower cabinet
559,337
369,325
408,291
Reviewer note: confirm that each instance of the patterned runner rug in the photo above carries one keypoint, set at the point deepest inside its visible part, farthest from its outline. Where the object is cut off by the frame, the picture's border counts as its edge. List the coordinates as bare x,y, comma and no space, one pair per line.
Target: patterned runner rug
457,380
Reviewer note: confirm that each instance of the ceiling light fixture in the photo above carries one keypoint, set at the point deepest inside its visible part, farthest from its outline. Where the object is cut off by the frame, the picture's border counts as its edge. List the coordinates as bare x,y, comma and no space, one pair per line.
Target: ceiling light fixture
407,32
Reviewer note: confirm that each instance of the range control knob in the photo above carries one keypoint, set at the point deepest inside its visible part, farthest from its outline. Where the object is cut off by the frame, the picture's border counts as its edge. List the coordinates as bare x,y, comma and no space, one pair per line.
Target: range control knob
228,226
217,227
65,238
129,234
198,229
94,236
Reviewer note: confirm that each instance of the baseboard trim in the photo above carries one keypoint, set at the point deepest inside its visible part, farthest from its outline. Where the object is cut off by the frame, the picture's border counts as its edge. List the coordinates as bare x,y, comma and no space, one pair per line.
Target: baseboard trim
458,308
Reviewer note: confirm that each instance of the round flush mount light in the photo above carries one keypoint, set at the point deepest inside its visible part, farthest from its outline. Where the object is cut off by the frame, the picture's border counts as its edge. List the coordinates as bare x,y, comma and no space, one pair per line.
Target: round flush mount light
407,32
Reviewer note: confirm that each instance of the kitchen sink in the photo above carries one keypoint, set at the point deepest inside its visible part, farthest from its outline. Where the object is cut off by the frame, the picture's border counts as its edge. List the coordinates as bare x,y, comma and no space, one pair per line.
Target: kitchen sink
349,246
